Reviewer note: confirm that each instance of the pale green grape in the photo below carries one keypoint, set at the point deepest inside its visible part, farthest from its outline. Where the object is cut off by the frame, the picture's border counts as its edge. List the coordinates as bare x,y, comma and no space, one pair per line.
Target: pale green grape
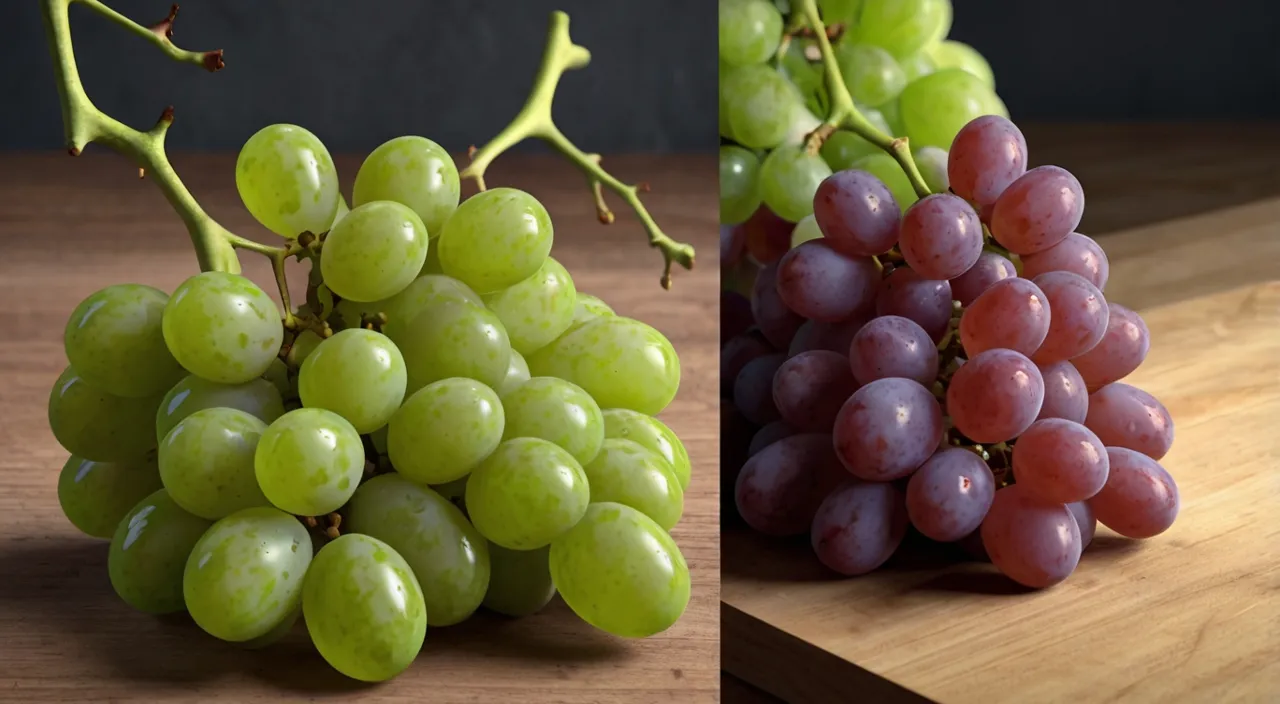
935,107
557,411
309,461
95,495
789,177
726,129
278,376
456,489
375,252
287,180
622,363
589,308
149,551
448,339
537,310
892,112
528,492
364,608
843,148
424,291
206,462
304,344
805,230
258,398
354,313
932,163
379,440
762,105
883,167
245,575
621,572
626,473
96,425
341,212
520,583
653,434
901,27
358,374
943,14
871,74
413,171
222,327
808,77
274,635
432,264
954,54
739,192
750,31
448,556
517,374
113,338
495,239
840,11
918,65
444,430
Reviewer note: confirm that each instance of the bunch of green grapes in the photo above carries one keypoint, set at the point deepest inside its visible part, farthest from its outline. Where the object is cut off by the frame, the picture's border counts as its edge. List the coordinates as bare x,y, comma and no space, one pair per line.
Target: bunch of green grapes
457,427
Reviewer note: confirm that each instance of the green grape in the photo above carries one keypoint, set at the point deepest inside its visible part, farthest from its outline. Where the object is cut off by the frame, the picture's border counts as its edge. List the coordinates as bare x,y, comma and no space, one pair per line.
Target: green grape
375,252
954,54
149,551
379,440
447,555
621,572
113,339
883,167
496,238
739,194
517,374
589,308
918,65
805,230
278,376
96,425
274,635
936,107
789,177
341,213
413,171
726,129
364,609
932,163
309,461
840,11
222,327
901,27
809,78
843,148
892,112
870,73
942,14
528,492
448,339
245,575
750,31
304,344
626,473
651,433
444,430
537,310
287,180
520,583
456,489
95,495
206,462
258,398
557,411
424,291
762,105
622,363
432,263
358,374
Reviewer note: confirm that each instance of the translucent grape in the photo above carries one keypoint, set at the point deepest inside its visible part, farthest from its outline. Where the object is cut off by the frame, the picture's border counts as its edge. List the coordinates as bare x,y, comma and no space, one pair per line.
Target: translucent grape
989,269
1140,499
1126,416
222,327
1077,254
822,284
412,171
887,171
954,54
892,113
949,495
987,155
375,252
426,290
858,527
750,31
307,341
444,430
517,374
900,26
358,374
278,376
936,107
537,310
287,180
805,231
113,339
149,551
96,425
340,213
753,389
857,213
810,388
835,337
1060,461
932,162
650,433
777,322
870,73
941,236
1083,513
789,177
887,429
768,236
1012,314
495,239
455,491
736,354
557,411
1038,210
925,302
454,339
893,346
626,473
843,147
1065,395
526,494
917,65
761,105
309,461
259,398
1034,543
739,191
780,487
995,396
1122,349
1079,319
206,462
520,584
769,434
95,495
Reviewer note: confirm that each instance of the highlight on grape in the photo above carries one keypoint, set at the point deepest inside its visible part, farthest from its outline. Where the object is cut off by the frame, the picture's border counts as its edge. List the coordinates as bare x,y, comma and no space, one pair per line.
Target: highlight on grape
915,336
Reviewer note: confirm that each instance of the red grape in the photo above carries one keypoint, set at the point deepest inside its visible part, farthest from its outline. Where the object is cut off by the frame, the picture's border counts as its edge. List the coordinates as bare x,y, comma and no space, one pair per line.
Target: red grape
1011,314
1064,393
856,213
949,495
778,322
1077,254
1085,521
768,236
989,268
1060,461
820,283
986,156
768,435
753,389
1126,416
858,527
779,488
893,346
904,292
810,388
1140,499
941,237
737,353
887,429
1033,542
1122,349
735,315
733,241
834,337
1038,210
1079,316
994,396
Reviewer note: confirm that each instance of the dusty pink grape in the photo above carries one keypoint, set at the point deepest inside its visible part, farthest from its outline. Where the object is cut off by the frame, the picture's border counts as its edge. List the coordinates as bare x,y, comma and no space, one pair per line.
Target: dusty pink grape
1065,395
941,237
887,429
989,268
858,527
834,337
819,283
1035,543
1078,254
1060,461
810,388
949,495
904,292
1140,498
1079,316
1122,349
986,156
891,346
776,321
1012,314
995,396
1038,210
779,488
1126,416
856,213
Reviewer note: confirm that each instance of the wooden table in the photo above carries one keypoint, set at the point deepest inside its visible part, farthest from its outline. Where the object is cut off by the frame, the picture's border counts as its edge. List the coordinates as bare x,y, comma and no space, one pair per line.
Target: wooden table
68,228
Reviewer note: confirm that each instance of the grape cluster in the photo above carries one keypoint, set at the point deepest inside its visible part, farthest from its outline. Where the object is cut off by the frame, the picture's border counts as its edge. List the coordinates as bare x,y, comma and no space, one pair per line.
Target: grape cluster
447,423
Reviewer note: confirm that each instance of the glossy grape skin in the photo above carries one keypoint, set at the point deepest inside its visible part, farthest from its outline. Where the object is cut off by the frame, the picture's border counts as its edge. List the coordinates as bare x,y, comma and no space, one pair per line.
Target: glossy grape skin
375,252
1065,395
987,155
587,308
206,462
927,303
870,73
736,354
557,411
278,376
444,430
1122,349
780,487
364,608
149,551
624,472
932,163
620,572
96,425
776,321
985,272
495,239
448,556
810,388
1140,499
537,310
449,338
936,107
789,177
114,340
1126,416
822,284
425,291
760,103
805,231
887,429
769,434
1011,314
900,26
739,181
222,327
1038,210
917,65
415,172
753,389
653,434
94,496
843,147
834,337
622,363
1034,543
949,495
307,341
750,31
1060,461
1079,318
995,396
520,584
941,237
954,54
1077,254
358,374
527,493
1083,513
517,374
893,346
258,398
858,527
309,461
887,170
287,180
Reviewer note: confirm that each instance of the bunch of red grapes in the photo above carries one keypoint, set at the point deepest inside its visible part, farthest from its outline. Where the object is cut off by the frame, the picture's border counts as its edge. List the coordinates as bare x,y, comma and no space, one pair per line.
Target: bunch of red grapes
902,370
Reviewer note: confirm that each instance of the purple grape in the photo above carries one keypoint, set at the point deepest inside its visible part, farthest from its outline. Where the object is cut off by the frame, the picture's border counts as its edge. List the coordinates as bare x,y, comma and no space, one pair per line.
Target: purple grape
893,346
986,156
733,241
1077,254
833,337
1065,395
1012,314
1126,416
989,269
887,429
810,388
941,237
858,527
778,322
753,389
737,353
1122,349
779,488
1140,499
949,495
928,303
994,396
1038,210
1034,543
1085,521
1060,461
820,283
735,315
769,434
1079,316
856,213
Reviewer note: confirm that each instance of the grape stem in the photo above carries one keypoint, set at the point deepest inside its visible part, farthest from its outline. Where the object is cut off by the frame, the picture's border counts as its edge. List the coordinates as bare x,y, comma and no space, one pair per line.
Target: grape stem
534,120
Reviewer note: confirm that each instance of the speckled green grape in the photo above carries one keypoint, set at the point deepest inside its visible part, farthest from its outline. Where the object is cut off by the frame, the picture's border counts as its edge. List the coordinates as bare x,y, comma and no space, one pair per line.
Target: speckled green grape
364,608
843,147
96,425
622,363
287,180
340,213
761,104
936,107
517,374
449,338
587,309
652,433
626,473
222,327
954,54
375,252
447,554
750,31
932,163
413,171
520,581
883,167
621,572
444,430
528,492
900,26
149,551
206,462
309,461
557,411
278,376
95,495
536,310
358,374
113,338
424,291
259,398
789,178
739,184
495,239
871,74
245,574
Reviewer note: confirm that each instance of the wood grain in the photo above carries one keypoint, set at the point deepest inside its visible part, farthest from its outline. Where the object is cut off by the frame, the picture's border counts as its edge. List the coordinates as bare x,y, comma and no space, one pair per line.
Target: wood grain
69,227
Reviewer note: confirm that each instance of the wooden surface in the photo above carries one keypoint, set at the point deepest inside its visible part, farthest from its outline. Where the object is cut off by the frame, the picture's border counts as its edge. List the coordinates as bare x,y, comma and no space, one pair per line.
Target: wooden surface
70,227
1192,615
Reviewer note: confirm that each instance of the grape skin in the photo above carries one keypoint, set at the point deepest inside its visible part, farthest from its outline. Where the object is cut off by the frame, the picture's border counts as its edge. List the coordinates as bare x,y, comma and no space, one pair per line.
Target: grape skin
986,156
557,411
932,162
444,430
96,425
769,434
789,177
287,180
806,230
1079,318
936,107
870,73
739,185
822,284
760,104
257,397
995,396
1088,525
735,315
753,389
626,473
415,172
95,496
857,214
985,272
358,374
810,388
901,27
149,551
587,308
1065,395
1011,314
887,429
526,494
833,337
207,462
887,170
779,488
222,327
777,322
949,495
651,433
309,461
767,236
843,148
1077,254
1122,349
1060,461
954,54
1140,499
1034,543
495,239
893,346
520,584
1038,210
424,292
454,339
1126,416
750,31
941,237
375,252
737,354
858,527
927,303
537,310
114,340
